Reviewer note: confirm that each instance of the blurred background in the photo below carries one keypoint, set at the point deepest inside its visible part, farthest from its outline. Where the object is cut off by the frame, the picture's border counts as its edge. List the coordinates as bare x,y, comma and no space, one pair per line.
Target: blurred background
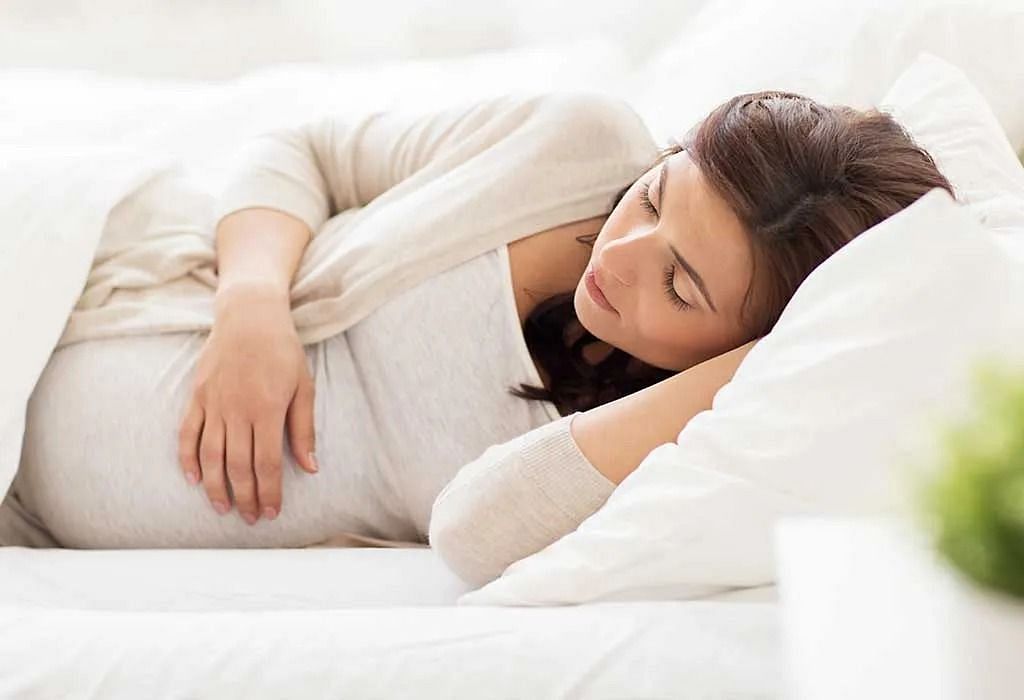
199,77
211,40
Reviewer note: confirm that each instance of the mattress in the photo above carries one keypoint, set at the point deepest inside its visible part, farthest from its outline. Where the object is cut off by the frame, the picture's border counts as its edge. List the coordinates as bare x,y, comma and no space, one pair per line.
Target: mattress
361,622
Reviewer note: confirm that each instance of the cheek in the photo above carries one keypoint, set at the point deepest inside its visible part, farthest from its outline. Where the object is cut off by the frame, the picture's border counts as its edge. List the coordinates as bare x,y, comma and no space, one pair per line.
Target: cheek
658,323
650,321
658,340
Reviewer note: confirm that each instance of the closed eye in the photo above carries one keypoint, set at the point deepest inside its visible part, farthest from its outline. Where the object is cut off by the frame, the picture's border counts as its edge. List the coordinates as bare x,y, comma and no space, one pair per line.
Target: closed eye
670,289
645,202
670,271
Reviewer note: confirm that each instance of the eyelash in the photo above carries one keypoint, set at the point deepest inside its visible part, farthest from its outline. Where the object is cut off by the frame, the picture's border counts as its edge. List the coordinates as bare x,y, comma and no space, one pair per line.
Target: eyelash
670,290
670,271
645,202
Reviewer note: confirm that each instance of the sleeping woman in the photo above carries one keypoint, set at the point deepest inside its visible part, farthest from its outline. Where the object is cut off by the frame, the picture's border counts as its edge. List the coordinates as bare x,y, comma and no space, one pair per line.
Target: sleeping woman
492,404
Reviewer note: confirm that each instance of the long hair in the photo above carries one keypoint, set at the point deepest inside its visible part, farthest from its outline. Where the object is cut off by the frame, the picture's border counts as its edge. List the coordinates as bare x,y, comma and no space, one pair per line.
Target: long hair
803,178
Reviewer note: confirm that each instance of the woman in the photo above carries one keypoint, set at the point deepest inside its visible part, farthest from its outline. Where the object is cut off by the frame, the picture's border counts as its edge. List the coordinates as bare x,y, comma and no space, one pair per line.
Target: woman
628,323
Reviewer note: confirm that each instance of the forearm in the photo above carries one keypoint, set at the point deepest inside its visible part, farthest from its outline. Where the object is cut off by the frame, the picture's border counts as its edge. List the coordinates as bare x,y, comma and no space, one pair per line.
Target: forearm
258,249
618,435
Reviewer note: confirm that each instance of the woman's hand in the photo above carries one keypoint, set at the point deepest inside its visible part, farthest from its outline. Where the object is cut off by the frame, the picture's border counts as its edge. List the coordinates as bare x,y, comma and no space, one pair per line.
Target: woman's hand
251,378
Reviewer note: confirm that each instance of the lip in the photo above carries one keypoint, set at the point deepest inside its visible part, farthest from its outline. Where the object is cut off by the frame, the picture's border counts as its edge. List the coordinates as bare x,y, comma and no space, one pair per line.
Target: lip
594,290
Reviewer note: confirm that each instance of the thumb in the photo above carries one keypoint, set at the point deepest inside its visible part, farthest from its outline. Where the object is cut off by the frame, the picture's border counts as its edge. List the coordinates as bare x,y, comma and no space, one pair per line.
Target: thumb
301,430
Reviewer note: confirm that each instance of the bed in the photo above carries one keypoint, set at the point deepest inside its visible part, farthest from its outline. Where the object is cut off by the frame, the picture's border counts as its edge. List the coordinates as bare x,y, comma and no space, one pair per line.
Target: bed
359,622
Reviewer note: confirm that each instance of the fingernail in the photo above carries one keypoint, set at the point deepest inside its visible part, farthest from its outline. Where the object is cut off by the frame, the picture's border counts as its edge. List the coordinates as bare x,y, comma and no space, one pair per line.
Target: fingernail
220,506
312,459
249,518
269,512
192,478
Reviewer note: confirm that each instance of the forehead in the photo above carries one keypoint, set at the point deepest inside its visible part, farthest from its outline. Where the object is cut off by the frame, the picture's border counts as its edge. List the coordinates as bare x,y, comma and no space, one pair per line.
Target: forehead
704,228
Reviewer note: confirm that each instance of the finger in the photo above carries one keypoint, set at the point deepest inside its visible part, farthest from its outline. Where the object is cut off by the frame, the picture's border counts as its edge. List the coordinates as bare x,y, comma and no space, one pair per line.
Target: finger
188,441
268,437
239,468
301,425
211,461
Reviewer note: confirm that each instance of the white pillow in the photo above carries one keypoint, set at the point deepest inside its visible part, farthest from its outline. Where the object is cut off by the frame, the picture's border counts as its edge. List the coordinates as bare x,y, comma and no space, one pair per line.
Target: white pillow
819,417
833,51
939,105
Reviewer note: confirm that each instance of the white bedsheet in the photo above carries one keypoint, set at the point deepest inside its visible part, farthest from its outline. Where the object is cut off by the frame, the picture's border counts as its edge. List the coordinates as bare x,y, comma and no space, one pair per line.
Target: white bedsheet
360,623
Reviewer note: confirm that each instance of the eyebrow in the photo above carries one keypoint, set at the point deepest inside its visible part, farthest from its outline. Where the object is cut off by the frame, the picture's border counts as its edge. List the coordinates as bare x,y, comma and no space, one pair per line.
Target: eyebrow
694,275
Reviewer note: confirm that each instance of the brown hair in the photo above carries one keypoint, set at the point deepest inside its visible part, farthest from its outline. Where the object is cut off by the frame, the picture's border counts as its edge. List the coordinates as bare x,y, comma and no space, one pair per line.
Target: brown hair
803,178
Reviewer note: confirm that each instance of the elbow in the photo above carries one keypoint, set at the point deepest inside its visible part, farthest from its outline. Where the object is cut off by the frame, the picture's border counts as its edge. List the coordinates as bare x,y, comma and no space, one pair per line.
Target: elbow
458,545
466,529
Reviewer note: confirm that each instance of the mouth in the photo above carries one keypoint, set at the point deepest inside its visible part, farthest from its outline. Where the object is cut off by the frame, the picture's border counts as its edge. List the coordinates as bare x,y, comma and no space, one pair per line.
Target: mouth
594,290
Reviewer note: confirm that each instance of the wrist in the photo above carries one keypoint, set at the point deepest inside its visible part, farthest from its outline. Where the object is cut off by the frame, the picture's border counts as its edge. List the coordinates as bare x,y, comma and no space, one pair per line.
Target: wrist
248,293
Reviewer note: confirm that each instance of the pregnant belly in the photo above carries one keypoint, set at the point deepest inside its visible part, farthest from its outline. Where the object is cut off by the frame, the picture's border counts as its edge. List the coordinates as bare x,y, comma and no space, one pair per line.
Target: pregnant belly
100,464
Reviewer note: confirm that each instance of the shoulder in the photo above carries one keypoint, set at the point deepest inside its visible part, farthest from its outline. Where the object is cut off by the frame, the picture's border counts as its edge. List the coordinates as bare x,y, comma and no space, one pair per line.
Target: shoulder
565,123
577,124
590,104
600,119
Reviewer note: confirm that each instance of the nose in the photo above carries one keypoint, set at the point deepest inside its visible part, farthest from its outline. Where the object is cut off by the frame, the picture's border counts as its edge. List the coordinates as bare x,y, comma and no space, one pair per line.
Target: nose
623,257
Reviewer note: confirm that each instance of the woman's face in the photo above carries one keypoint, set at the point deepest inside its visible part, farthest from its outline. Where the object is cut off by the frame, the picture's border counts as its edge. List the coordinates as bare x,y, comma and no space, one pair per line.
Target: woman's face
663,315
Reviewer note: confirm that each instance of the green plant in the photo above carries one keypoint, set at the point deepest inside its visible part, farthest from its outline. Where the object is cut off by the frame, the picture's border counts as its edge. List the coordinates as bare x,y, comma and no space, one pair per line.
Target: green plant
974,503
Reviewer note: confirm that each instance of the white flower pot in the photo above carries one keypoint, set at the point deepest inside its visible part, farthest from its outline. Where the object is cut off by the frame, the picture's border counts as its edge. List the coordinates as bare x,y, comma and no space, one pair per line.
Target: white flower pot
870,611
982,647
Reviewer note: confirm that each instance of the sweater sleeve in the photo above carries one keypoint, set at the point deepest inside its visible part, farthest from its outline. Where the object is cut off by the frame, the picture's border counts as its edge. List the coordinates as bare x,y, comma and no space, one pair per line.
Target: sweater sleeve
515,499
321,167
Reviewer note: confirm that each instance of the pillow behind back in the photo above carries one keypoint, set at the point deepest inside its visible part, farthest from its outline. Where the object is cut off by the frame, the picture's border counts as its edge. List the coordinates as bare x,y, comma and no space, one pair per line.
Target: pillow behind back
875,349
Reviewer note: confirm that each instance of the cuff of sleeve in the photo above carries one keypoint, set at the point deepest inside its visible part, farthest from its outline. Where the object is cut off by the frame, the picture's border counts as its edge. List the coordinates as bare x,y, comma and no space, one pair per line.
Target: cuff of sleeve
270,194
553,461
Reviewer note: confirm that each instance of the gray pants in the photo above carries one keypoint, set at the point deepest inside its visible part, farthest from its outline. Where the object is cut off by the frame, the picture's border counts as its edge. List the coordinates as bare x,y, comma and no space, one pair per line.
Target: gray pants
19,528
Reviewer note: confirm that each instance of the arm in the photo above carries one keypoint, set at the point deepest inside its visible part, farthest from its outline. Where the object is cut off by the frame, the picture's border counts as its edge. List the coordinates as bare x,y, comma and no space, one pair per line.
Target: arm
241,397
258,248
320,167
251,376
520,496
616,436
336,162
